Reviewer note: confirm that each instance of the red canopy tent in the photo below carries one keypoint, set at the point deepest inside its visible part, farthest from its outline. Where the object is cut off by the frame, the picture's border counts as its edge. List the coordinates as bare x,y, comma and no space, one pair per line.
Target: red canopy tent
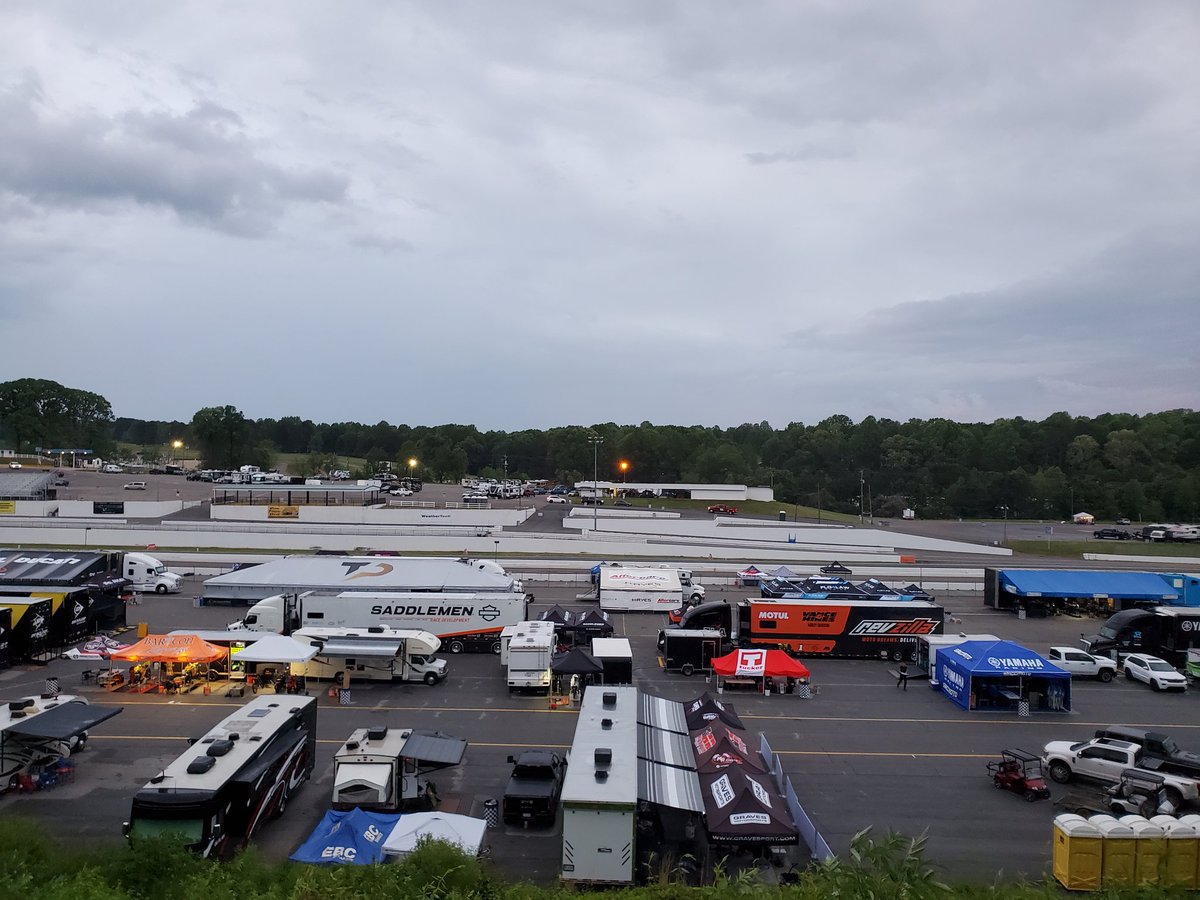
760,664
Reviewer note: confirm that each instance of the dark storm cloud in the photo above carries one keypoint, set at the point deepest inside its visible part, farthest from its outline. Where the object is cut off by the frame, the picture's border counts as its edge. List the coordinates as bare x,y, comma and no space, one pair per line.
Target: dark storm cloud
198,164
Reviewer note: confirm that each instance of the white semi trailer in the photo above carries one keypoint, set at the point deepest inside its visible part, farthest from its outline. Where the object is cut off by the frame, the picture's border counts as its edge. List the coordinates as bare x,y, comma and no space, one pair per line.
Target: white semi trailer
464,622
628,589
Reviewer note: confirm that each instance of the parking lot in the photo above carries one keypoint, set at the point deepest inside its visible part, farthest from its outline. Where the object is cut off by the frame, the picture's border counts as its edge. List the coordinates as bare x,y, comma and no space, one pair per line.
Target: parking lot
861,753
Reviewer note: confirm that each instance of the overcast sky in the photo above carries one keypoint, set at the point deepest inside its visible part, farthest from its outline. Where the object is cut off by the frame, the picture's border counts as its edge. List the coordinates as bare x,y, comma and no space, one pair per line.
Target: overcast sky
528,214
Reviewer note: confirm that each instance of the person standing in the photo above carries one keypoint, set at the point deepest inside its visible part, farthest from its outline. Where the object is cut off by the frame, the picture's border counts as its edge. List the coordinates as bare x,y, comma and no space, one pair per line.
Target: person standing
902,681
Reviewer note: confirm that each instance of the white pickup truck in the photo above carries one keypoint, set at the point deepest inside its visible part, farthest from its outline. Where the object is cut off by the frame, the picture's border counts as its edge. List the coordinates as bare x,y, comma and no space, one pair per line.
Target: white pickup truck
1082,664
1104,759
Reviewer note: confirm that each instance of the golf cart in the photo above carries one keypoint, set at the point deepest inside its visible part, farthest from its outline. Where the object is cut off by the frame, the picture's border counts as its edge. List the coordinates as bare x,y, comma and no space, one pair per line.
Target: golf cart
1137,793
1020,771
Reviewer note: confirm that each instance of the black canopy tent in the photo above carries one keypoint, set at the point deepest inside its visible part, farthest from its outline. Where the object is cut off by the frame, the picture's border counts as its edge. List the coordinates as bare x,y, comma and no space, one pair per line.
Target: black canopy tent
576,661
558,615
63,722
743,808
706,709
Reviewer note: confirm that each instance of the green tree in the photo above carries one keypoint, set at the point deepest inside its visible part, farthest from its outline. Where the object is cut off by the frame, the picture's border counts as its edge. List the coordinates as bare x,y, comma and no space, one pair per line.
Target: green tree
36,413
223,435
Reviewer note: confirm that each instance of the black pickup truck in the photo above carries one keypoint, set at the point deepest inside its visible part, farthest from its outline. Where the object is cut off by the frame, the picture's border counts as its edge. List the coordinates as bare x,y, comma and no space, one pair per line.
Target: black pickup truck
1160,753
531,796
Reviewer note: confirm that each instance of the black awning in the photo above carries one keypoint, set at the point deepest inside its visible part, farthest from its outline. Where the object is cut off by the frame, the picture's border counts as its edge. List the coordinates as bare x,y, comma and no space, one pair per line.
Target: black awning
431,749
62,722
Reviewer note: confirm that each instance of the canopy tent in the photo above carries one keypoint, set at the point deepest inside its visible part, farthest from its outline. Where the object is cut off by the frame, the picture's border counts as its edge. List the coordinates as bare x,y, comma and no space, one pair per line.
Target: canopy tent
742,808
463,831
101,647
178,648
575,661
718,747
1001,674
558,615
759,663
782,572
705,709
750,576
276,648
592,624
350,836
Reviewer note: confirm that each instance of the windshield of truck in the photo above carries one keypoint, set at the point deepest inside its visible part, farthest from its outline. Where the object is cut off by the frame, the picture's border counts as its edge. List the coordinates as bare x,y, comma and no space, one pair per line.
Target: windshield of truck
161,570
1107,632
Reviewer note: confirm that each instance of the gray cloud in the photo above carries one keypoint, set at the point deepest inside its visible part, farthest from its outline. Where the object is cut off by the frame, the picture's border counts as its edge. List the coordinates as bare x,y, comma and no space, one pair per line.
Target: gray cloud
198,164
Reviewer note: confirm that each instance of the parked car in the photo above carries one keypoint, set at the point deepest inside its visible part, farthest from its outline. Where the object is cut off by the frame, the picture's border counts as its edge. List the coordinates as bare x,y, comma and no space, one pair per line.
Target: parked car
557,498
1082,664
592,501
1112,534
1123,521
1104,759
622,502
1158,673
61,482
722,508
14,465
135,486
531,796
400,492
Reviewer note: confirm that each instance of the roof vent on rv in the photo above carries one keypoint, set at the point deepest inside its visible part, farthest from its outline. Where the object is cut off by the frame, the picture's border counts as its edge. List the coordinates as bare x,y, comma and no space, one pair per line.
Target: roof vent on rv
14,705
602,774
606,724
200,765
351,745
610,699
377,734
603,756
219,748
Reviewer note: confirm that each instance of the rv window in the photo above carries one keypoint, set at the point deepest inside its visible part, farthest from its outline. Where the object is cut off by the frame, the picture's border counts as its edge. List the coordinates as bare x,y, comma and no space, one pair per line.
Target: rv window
767,623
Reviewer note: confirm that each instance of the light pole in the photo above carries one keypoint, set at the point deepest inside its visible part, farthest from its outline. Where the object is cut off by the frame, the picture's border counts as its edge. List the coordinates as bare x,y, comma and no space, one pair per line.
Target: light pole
623,465
497,556
176,446
595,440
1004,509
412,464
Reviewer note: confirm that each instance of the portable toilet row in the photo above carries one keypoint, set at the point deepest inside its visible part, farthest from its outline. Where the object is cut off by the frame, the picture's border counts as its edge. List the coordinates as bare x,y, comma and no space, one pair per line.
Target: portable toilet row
1105,852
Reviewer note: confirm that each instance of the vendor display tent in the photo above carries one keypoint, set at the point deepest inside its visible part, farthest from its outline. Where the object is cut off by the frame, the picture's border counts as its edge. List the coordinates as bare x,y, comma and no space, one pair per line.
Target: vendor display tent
351,836
782,572
1001,674
463,831
592,624
277,648
718,746
180,648
759,663
742,808
750,576
100,647
575,661
704,709
557,615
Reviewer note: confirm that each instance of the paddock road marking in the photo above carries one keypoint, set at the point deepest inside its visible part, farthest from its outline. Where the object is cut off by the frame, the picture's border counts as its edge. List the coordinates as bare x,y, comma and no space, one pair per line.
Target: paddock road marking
883,720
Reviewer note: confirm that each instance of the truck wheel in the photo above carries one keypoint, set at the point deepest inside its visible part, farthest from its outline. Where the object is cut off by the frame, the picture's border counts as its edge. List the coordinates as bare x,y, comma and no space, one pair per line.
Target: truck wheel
1106,675
496,648
160,589
430,679
455,647
1060,772
897,655
688,670
1174,797
1128,675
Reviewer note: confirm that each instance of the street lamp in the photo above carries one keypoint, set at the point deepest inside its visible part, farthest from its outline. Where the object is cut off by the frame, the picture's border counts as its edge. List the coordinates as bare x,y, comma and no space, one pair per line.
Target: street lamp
1004,509
176,446
497,556
623,465
595,440
412,464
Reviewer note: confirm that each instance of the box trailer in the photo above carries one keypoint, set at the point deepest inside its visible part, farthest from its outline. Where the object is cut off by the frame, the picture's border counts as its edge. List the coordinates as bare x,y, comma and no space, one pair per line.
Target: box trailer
600,793
629,589
336,574
463,622
616,656
930,645
384,769
691,650
881,629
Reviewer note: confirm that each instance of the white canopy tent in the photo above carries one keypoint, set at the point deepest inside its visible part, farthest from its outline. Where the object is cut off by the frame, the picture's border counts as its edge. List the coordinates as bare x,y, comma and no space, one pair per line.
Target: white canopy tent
463,831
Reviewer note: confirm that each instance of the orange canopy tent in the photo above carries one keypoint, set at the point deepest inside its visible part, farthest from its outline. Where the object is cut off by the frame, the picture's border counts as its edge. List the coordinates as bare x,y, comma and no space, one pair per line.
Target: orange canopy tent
178,648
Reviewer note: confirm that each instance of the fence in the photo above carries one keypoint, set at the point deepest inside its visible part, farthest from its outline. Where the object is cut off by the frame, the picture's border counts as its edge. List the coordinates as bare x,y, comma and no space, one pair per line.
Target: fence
817,845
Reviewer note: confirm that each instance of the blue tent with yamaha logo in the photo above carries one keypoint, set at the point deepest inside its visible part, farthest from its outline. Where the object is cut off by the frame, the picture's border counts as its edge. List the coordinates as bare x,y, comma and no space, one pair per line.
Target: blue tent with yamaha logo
1001,675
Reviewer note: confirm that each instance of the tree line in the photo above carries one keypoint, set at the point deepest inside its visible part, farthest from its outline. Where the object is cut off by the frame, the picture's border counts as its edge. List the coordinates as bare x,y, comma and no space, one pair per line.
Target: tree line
1146,467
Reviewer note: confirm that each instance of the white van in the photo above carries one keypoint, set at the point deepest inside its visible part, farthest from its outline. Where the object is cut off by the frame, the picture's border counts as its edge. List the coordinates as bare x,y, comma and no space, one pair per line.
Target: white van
112,469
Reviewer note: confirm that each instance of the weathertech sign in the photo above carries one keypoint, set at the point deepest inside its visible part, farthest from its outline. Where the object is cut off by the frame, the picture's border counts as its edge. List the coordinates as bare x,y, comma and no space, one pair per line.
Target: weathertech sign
844,627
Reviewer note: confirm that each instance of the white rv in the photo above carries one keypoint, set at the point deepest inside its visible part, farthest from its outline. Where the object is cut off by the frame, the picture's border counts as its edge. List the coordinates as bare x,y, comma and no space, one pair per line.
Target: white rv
383,769
529,662
371,654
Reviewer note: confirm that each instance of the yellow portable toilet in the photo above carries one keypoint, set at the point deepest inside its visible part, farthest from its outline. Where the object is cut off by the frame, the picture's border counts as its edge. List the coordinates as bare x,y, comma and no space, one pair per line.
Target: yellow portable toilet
1151,848
1182,865
1119,868
1078,853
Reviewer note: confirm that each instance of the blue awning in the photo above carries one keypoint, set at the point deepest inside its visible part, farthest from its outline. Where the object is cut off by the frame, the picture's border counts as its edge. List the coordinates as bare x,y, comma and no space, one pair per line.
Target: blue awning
354,837
1099,584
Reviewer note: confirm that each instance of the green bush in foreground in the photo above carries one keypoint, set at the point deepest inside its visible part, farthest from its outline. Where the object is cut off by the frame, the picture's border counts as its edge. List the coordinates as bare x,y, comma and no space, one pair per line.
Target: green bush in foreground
35,867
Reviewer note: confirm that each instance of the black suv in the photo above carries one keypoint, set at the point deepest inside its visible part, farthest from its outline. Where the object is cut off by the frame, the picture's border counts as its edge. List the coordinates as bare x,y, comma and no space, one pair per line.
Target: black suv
1112,534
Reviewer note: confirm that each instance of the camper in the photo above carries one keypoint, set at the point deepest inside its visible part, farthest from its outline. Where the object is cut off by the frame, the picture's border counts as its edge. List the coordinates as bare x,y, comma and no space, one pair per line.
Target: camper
629,589
529,656
384,769
878,629
367,574
510,631
464,622
233,780
1168,632
35,731
371,654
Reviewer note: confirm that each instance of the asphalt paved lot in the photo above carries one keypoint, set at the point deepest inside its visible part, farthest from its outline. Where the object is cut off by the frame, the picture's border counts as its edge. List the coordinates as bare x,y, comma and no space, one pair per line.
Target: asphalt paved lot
861,753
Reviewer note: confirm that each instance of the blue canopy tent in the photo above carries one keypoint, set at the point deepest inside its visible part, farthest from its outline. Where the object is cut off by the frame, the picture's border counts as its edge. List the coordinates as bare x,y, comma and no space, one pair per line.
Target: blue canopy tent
1001,674
351,836
1040,591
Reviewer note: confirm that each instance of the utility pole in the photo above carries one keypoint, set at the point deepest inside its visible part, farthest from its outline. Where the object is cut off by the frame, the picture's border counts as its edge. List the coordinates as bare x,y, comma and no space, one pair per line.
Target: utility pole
595,440
1004,509
861,484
